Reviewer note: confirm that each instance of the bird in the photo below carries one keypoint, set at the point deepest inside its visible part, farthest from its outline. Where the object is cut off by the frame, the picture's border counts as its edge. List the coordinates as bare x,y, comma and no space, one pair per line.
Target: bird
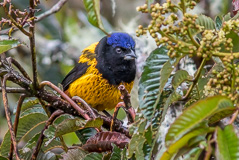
102,68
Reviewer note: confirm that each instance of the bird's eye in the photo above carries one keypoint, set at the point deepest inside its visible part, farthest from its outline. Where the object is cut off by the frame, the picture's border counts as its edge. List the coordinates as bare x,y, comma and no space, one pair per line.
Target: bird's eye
118,50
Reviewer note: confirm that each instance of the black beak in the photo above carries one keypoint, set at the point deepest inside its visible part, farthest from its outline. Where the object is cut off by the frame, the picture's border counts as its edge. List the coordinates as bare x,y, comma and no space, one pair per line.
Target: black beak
130,56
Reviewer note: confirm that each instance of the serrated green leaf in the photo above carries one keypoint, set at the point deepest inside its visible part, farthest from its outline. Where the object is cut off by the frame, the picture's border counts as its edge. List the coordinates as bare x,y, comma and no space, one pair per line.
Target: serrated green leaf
179,77
7,44
93,13
150,81
227,143
194,115
174,147
26,125
205,22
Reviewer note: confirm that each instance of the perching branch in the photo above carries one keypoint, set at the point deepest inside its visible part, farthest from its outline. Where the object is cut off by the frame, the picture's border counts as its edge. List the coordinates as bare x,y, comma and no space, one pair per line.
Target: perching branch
19,106
14,90
8,116
41,137
89,109
73,104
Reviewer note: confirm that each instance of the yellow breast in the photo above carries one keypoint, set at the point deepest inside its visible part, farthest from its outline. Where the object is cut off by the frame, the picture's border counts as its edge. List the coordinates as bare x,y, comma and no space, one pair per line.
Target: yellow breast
94,89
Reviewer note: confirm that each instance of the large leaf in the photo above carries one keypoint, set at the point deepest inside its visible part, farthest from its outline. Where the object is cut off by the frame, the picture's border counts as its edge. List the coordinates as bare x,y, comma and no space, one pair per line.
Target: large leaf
194,115
8,44
26,125
72,125
150,81
93,12
173,148
227,144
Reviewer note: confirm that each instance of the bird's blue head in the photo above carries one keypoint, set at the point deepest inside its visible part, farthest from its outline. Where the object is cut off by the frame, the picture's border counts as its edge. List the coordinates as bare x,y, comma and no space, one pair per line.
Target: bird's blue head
120,39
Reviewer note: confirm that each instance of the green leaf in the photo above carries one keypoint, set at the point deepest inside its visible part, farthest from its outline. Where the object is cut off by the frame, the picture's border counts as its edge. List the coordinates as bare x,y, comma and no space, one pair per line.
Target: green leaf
116,153
29,103
227,143
8,44
26,124
179,77
193,154
93,11
174,147
3,158
194,115
136,146
94,123
93,156
33,110
74,154
149,2
205,22
68,126
150,81
85,134
218,22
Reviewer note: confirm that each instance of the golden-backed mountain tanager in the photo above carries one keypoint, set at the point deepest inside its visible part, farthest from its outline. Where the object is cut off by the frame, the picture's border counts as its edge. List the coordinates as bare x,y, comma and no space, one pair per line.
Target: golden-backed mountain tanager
102,67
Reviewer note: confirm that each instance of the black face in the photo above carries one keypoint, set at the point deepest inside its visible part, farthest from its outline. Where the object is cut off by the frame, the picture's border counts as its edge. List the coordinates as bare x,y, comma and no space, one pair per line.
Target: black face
116,64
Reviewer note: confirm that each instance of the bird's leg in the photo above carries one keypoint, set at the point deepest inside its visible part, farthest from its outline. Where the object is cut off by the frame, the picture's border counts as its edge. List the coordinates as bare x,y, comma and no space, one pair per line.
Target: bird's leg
87,106
117,107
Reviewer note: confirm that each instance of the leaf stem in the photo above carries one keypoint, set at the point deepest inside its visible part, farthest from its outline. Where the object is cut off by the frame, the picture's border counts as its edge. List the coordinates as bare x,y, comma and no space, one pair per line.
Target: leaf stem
194,81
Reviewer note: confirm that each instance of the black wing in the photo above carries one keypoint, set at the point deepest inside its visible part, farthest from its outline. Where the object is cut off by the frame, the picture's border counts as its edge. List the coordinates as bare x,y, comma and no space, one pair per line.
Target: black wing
74,74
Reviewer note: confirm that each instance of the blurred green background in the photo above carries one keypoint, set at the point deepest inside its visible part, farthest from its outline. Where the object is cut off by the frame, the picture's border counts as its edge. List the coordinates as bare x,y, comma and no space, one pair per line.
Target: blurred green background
61,37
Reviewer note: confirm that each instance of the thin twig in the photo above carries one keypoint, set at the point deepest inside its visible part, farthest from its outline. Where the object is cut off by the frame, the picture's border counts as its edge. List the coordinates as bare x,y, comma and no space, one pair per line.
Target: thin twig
73,104
194,81
19,106
14,90
42,16
89,109
41,137
8,116
15,23
128,107
19,67
234,117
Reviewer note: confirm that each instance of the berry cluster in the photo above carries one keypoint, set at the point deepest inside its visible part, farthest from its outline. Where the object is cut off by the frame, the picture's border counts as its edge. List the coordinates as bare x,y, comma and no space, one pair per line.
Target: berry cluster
225,82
